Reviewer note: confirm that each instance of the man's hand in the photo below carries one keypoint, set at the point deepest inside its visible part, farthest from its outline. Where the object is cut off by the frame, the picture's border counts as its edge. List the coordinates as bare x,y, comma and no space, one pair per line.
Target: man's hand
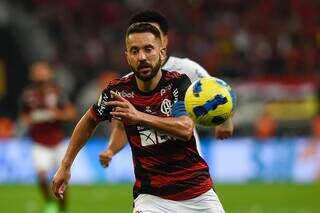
105,157
124,110
224,130
60,182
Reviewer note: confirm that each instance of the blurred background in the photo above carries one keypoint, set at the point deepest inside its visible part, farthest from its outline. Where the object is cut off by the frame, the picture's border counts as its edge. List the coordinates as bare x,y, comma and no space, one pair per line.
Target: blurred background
267,50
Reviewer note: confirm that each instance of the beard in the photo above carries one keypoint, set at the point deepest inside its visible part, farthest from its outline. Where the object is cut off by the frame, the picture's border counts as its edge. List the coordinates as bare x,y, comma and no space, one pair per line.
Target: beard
146,75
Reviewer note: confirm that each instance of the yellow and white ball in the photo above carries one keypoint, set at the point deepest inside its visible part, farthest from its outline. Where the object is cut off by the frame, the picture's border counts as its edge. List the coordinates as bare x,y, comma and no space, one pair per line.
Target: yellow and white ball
209,101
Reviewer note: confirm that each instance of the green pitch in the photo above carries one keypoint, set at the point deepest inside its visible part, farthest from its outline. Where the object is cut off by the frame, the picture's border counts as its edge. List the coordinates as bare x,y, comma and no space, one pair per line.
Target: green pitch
249,198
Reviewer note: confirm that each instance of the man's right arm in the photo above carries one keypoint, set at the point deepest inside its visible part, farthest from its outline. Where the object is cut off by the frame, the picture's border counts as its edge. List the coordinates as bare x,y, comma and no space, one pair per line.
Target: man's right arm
82,132
117,141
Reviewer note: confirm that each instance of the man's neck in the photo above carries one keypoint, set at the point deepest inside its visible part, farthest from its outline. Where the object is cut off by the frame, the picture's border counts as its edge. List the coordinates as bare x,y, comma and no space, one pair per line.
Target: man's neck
148,86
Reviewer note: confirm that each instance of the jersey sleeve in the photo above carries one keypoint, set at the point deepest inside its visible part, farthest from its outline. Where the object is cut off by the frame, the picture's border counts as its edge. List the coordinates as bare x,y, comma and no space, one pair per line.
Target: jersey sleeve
100,110
181,85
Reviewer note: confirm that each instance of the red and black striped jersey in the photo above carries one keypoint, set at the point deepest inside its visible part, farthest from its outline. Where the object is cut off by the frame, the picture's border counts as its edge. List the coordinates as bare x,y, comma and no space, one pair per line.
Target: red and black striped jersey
164,165
49,131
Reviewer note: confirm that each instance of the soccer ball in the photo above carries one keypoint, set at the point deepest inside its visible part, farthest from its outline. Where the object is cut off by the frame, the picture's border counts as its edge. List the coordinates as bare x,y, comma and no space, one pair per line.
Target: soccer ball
209,101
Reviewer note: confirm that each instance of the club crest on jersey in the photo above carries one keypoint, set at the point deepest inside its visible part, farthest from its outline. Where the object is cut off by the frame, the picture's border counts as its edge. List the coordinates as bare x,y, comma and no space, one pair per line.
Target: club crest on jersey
125,94
166,107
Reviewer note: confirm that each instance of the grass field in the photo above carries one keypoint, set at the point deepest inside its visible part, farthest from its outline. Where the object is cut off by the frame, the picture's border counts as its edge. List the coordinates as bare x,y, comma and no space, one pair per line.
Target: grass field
249,198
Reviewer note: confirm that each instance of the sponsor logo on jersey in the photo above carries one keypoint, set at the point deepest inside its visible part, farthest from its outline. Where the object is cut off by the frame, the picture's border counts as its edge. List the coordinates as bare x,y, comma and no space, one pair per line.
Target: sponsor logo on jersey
167,88
150,137
125,94
103,99
148,109
99,101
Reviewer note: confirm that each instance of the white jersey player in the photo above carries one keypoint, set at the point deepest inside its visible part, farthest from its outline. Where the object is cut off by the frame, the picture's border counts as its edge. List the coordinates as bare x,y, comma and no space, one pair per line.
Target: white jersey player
184,65
193,70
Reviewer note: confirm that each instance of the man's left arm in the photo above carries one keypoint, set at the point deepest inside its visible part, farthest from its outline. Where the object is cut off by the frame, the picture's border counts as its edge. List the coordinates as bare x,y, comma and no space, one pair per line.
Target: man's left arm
180,127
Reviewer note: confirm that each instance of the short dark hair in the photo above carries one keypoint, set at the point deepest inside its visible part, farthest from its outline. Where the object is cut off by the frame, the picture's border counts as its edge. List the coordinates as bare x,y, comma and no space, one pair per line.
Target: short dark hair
142,28
151,16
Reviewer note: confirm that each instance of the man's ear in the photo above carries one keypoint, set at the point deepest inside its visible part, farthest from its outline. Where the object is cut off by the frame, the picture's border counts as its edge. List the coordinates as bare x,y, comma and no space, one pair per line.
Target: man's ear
126,55
163,52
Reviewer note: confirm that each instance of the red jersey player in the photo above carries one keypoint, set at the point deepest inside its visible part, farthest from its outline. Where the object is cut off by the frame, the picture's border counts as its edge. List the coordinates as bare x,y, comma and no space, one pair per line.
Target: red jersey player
171,63
44,108
149,106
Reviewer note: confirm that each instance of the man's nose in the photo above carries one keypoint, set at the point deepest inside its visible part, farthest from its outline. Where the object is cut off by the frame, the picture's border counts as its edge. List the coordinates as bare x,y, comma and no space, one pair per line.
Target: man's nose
141,56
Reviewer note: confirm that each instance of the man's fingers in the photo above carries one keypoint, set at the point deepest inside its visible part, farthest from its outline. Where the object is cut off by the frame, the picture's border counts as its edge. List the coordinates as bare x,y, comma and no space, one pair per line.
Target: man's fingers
120,109
54,188
223,135
104,164
117,96
58,189
119,114
117,104
60,194
104,159
61,190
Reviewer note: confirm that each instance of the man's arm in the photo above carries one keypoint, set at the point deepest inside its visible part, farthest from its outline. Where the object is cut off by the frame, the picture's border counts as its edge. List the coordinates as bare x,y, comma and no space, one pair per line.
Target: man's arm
224,130
180,127
82,132
117,140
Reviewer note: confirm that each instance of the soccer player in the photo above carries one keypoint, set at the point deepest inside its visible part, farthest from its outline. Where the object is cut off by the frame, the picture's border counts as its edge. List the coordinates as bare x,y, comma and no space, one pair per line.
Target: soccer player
183,65
148,104
44,109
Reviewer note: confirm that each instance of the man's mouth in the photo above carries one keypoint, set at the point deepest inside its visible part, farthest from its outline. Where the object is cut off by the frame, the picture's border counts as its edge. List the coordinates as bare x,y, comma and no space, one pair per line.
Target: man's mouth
144,69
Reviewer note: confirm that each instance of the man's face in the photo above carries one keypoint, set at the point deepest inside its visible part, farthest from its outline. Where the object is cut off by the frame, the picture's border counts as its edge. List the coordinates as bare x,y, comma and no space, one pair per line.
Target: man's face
41,73
144,54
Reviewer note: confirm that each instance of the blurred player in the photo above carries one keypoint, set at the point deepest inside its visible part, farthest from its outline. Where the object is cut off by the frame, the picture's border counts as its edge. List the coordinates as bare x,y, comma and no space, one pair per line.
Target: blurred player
148,104
44,108
183,65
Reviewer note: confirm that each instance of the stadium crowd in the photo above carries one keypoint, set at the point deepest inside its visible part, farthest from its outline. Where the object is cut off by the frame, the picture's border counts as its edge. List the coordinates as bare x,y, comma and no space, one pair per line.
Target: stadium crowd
230,39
